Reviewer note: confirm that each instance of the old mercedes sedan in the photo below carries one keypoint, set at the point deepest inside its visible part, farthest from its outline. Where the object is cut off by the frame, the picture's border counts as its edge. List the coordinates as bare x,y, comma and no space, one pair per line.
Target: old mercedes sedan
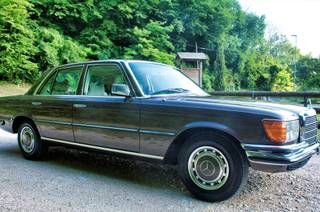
153,111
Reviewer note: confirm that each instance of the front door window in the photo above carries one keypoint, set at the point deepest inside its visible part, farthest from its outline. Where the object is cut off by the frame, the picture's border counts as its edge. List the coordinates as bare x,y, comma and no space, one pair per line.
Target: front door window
101,78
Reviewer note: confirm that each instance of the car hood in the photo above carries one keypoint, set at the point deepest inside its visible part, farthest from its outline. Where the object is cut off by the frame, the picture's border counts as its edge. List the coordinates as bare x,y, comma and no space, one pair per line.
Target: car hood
280,110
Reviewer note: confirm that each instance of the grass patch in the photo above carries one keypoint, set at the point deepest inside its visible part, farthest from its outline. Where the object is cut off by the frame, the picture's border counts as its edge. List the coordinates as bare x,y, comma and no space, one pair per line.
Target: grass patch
10,89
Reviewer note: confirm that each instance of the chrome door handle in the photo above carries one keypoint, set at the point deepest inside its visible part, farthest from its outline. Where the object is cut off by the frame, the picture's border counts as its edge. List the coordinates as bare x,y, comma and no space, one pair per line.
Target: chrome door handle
79,105
36,103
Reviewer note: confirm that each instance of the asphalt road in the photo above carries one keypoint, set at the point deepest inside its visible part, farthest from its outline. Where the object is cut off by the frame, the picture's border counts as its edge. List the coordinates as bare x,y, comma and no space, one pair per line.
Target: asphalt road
71,180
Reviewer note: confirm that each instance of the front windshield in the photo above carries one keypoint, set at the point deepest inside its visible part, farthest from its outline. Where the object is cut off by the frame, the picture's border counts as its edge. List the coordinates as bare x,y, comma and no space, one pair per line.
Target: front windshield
159,79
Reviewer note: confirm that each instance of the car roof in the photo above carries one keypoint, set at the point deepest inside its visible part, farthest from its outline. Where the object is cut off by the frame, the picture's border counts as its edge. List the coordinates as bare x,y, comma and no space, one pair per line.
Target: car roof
110,60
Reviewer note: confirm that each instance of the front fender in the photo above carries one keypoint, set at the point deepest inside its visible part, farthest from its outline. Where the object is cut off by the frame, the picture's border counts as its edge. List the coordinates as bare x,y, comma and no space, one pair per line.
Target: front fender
211,125
172,152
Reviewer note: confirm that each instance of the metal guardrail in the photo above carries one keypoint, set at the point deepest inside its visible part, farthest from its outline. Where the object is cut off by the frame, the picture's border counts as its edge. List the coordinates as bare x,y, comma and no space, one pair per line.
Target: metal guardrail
254,94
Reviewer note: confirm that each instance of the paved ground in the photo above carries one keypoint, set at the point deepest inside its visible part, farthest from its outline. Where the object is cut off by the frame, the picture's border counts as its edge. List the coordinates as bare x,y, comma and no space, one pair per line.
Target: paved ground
10,89
71,180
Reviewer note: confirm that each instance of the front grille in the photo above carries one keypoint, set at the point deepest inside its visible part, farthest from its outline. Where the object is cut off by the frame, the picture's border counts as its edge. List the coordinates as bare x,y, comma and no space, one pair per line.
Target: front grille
310,129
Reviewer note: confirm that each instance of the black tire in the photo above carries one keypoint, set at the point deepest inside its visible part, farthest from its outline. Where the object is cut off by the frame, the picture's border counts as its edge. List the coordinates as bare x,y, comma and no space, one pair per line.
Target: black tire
39,148
230,179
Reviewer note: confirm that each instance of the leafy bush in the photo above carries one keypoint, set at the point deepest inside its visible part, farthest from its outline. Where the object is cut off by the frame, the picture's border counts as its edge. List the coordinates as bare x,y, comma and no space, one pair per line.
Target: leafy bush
37,35
283,82
17,39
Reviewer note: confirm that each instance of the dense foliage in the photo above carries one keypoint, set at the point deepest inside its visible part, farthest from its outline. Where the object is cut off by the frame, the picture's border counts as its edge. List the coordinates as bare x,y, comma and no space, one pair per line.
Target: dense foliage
17,51
37,35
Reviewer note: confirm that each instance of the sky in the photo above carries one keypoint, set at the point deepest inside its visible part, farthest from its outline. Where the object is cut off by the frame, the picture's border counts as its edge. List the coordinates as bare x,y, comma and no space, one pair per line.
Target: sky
298,17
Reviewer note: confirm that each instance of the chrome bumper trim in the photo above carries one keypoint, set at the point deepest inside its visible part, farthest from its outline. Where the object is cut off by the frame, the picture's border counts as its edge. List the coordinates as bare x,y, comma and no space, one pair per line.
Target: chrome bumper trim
284,148
291,157
280,158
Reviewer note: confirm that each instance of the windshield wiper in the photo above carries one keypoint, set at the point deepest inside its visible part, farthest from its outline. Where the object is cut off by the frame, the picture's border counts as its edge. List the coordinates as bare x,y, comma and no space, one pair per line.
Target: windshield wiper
170,91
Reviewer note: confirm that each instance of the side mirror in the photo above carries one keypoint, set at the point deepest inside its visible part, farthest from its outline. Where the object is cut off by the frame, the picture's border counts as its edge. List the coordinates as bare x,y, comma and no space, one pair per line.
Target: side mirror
120,90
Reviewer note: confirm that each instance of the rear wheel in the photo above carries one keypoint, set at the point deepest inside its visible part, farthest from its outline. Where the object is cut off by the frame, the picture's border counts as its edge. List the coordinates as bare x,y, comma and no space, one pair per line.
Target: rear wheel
212,167
30,143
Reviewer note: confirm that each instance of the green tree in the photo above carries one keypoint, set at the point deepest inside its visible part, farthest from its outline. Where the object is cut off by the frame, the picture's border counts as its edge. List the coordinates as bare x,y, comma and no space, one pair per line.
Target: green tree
36,35
55,49
220,70
308,76
17,39
153,43
283,82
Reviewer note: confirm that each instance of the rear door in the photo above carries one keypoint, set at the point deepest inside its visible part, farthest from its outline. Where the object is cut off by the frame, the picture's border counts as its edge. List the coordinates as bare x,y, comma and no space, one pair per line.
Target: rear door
52,105
101,118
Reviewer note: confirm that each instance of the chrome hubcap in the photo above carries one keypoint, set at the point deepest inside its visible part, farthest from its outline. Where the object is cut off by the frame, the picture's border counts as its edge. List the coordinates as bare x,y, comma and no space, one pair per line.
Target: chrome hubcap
27,139
208,168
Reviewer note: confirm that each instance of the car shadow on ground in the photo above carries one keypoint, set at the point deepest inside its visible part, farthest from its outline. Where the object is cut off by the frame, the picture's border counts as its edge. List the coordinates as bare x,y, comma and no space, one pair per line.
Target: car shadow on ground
138,172
131,170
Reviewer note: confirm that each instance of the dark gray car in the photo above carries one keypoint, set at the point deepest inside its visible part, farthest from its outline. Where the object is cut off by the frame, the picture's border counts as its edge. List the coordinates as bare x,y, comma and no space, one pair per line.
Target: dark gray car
152,111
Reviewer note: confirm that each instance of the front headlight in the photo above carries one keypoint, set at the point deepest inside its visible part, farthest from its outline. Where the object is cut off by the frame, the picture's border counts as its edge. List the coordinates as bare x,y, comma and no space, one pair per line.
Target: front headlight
281,131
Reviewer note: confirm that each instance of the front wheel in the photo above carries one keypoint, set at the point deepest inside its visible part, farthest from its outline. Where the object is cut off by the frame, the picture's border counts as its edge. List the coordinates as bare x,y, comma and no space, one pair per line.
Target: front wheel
212,167
30,143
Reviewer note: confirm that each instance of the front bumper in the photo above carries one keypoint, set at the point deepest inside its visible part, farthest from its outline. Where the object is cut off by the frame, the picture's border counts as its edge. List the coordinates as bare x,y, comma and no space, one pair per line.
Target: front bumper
280,158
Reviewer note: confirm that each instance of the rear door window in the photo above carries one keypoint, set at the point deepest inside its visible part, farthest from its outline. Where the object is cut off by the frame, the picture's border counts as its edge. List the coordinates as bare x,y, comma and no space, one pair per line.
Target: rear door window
47,88
66,82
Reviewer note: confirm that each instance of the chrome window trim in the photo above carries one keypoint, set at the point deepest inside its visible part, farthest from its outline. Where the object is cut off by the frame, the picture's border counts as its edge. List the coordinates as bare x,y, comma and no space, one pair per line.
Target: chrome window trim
103,148
84,96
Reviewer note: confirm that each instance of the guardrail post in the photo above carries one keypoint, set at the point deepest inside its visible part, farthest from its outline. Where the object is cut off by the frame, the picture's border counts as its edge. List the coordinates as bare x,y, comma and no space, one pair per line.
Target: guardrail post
305,103
252,95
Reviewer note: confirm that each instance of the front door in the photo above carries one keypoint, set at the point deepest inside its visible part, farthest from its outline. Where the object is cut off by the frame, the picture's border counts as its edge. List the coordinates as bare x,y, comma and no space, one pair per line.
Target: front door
52,105
101,118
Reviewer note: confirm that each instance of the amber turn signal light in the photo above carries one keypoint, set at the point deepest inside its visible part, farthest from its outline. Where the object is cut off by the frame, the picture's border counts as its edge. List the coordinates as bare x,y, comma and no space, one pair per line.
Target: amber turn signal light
276,130
281,131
